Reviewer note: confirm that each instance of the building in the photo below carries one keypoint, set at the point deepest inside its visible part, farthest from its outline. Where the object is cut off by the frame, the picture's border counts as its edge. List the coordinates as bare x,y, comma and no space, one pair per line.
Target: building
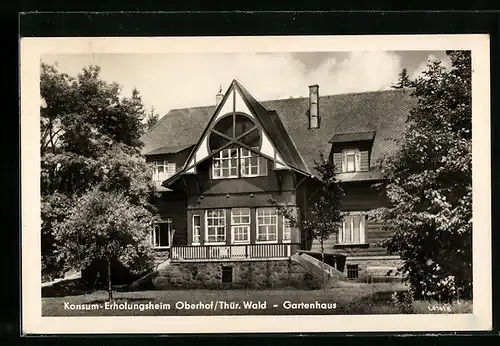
218,166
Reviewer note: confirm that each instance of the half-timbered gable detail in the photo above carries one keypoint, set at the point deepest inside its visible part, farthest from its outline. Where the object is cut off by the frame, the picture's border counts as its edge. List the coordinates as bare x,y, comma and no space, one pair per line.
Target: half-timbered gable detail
218,166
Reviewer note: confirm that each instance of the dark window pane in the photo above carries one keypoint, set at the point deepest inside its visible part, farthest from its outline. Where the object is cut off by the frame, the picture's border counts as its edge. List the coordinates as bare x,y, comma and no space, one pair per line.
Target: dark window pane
243,124
225,126
216,142
227,274
252,139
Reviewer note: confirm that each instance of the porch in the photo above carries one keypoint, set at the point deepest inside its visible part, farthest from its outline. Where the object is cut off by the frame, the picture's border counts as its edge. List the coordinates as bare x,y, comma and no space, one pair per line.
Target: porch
240,252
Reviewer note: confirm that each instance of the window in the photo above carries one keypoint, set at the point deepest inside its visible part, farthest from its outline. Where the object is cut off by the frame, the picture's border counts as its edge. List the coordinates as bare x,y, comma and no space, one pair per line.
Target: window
352,271
287,229
252,165
353,229
163,170
228,162
350,160
267,225
196,229
227,274
160,237
216,226
225,164
240,225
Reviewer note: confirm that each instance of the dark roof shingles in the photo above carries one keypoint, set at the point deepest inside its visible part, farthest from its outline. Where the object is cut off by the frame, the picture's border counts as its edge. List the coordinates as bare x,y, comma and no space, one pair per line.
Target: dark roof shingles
383,112
170,150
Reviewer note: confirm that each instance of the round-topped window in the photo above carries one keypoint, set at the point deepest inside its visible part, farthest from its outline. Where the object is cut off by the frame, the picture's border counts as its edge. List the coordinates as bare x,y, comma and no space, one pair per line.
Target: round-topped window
236,126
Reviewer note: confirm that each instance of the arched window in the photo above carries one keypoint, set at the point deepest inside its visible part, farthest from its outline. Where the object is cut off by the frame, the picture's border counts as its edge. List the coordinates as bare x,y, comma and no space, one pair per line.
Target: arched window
236,161
234,127
350,160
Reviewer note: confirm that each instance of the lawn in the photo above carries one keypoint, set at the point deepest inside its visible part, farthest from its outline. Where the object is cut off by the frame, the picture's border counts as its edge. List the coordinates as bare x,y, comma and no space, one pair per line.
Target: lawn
354,298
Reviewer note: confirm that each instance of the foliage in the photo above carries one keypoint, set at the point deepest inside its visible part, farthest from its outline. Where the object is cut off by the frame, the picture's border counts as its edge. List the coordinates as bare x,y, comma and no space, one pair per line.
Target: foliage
430,185
151,119
105,226
404,80
325,215
90,139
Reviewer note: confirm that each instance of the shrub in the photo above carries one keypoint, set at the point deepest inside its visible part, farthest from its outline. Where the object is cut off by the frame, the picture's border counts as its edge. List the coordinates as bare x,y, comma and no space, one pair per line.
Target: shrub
312,282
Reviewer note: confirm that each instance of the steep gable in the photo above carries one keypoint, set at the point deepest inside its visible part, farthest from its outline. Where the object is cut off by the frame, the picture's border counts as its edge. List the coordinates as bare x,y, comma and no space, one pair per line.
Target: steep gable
237,100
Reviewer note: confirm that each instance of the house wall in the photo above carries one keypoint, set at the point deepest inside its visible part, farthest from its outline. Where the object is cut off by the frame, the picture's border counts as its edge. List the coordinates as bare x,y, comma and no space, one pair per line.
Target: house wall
273,181
179,158
358,196
173,205
252,274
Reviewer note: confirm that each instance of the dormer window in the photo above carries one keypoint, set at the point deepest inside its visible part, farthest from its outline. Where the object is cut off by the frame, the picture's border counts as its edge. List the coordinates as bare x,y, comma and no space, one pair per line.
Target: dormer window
350,160
163,170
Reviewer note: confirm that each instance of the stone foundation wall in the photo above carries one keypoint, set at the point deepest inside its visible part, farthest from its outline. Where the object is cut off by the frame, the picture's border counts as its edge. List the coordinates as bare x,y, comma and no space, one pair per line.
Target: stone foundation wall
249,274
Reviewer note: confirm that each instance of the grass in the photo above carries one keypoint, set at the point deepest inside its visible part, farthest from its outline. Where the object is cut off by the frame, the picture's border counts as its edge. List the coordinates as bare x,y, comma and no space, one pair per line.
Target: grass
352,298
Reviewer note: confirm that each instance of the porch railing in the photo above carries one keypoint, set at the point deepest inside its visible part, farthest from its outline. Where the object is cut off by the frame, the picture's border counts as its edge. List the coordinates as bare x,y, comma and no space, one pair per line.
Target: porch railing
236,252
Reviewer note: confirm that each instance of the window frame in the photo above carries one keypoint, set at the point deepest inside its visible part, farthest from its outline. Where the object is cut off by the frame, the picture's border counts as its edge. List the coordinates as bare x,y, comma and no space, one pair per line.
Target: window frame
285,226
362,229
194,228
224,217
257,225
241,224
261,164
219,157
168,221
165,164
357,160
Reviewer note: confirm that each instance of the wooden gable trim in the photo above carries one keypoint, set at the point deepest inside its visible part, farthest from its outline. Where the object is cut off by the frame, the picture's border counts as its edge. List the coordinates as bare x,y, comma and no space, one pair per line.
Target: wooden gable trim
234,87
249,106
210,125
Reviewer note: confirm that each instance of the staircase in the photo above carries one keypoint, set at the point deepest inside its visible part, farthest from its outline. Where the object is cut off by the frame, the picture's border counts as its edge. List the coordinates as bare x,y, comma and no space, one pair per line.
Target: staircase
320,269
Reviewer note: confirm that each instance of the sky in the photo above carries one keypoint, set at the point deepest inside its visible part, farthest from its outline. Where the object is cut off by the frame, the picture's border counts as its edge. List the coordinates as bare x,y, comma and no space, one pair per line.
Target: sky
170,81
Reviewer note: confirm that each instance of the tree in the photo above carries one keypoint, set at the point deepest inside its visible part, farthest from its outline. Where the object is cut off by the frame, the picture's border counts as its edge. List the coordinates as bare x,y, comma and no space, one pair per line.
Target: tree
152,119
403,80
325,215
90,137
430,185
104,225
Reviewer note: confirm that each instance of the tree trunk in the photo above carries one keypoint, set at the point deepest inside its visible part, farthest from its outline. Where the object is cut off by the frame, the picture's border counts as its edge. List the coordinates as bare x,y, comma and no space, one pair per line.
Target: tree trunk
110,290
322,260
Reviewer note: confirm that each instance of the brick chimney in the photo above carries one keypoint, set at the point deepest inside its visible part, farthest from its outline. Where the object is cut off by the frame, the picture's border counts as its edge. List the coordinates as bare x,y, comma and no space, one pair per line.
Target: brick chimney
314,120
219,96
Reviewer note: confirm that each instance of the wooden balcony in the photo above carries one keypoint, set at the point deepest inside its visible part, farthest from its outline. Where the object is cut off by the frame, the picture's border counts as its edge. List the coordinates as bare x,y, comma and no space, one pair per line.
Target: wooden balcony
243,252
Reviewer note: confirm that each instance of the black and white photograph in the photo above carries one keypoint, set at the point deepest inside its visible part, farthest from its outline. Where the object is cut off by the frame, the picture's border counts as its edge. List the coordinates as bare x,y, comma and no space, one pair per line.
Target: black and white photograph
245,184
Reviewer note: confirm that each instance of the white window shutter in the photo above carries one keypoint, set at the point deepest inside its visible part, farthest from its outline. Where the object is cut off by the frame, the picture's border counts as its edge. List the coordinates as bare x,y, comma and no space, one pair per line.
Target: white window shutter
170,169
357,161
344,161
362,228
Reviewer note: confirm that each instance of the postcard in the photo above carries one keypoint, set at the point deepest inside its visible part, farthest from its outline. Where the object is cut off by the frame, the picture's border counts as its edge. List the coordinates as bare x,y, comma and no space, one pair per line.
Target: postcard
265,184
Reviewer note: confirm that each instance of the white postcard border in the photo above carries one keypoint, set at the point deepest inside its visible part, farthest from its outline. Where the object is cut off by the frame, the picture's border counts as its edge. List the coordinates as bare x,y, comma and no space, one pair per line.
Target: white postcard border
32,321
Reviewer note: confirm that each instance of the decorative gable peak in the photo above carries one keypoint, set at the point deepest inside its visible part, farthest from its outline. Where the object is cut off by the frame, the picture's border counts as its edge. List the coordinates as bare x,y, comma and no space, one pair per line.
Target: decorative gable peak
234,123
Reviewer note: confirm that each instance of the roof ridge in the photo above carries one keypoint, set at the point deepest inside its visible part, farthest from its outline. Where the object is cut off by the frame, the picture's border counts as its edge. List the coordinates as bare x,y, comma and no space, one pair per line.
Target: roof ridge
302,97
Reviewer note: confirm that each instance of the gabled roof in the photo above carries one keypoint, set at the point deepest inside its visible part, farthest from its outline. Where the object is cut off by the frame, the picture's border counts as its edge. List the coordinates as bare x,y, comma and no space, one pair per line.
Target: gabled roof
170,150
383,112
353,137
275,128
